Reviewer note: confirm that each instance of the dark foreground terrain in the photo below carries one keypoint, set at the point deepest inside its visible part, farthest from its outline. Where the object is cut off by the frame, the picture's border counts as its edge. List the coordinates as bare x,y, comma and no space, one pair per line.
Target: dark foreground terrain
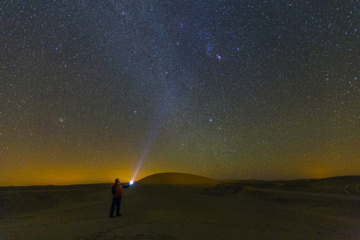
170,206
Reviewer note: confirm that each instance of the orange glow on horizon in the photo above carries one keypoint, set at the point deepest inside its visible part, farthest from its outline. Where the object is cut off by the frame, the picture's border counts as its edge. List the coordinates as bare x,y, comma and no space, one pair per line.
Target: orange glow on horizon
33,170
64,176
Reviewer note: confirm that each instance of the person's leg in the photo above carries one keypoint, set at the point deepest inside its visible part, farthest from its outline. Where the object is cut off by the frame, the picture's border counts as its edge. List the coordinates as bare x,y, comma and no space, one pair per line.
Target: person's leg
118,202
112,207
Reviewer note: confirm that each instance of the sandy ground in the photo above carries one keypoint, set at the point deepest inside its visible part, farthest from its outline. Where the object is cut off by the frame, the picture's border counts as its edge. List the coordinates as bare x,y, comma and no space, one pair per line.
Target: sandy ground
306,209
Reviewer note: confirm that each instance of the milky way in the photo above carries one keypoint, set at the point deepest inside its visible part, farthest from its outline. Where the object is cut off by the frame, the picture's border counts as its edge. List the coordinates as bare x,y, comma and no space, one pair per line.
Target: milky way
90,90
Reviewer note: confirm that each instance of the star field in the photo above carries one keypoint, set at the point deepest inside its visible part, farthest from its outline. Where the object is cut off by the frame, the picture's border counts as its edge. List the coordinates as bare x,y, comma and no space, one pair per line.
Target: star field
91,91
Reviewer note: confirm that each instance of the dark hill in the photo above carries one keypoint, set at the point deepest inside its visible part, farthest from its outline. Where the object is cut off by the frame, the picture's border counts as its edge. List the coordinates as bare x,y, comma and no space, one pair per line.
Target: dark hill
173,178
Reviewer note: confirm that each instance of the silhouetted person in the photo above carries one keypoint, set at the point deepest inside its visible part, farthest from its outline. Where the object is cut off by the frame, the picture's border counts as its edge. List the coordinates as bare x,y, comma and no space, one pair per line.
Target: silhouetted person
117,192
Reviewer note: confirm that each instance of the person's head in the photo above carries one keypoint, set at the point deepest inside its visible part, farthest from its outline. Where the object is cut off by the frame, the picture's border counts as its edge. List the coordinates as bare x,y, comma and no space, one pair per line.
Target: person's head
117,181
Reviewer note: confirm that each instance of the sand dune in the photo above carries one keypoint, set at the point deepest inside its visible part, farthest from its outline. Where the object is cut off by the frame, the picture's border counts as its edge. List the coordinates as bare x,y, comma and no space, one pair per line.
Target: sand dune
177,179
162,206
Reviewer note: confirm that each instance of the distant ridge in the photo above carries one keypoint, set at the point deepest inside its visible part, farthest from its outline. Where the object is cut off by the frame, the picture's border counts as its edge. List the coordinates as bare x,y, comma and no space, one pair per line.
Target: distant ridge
174,178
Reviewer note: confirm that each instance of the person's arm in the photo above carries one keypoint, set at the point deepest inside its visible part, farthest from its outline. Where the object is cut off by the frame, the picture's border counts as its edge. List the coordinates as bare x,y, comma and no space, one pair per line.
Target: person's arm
113,191
126,186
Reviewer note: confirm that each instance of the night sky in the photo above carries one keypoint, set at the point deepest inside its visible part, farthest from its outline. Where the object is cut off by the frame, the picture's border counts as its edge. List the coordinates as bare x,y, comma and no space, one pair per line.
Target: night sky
95,90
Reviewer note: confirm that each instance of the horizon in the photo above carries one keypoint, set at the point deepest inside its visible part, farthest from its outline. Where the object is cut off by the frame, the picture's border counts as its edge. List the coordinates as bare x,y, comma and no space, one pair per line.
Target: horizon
219,180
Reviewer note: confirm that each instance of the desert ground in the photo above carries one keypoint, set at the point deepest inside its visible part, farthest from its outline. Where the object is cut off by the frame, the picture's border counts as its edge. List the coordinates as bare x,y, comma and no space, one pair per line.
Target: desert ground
183,206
